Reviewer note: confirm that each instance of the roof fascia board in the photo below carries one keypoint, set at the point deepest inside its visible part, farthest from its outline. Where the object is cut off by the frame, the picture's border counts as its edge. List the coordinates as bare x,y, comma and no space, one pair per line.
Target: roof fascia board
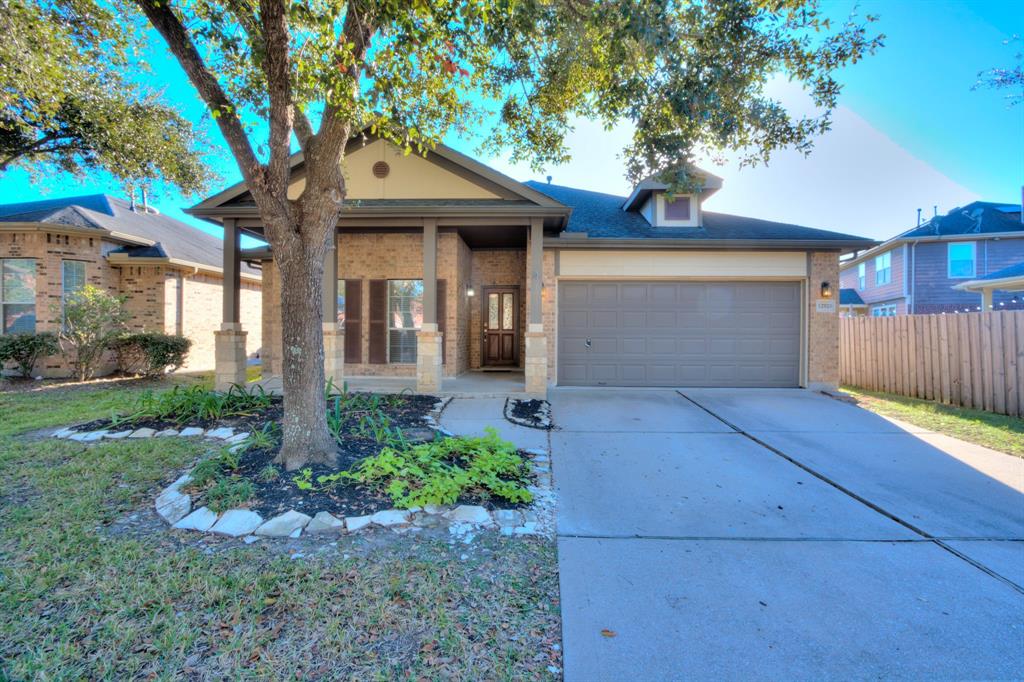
1015,283
125,259
704,244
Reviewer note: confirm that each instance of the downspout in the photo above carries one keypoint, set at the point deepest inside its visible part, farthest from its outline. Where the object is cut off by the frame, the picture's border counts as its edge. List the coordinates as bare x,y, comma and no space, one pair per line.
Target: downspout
913,279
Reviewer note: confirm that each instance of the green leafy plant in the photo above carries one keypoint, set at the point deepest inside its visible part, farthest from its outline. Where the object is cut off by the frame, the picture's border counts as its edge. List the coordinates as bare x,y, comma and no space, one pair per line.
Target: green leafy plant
93,319
150,353
25,350
439,472
228,493
269,473
185,404
263,438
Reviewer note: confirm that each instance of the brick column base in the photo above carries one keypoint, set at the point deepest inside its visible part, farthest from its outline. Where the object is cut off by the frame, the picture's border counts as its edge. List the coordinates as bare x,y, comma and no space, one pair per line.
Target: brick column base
229,356
334,354
428,361
537,364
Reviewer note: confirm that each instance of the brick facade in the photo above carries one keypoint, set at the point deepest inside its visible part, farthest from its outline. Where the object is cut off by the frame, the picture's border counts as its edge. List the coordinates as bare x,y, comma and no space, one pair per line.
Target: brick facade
822,328
152,292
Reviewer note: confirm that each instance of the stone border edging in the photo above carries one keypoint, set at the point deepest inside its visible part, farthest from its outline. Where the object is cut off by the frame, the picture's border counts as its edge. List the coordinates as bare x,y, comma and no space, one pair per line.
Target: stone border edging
545,420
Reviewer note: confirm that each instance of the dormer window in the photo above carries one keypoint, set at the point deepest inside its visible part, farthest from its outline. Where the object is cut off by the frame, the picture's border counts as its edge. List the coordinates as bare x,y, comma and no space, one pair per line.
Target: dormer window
677,208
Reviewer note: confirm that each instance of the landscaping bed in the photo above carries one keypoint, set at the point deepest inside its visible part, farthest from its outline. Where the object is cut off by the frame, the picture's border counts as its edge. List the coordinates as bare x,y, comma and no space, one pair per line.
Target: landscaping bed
531,413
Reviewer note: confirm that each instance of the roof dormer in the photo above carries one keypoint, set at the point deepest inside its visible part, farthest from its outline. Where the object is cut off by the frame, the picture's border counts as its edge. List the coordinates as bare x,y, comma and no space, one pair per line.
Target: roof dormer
660,209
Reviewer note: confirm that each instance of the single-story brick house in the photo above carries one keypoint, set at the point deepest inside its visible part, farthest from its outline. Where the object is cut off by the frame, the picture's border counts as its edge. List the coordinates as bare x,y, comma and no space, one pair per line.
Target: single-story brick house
574,287
170,271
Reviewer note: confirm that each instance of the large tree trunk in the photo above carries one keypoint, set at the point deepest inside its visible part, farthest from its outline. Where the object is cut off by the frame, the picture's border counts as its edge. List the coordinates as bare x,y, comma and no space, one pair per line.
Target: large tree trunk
305,437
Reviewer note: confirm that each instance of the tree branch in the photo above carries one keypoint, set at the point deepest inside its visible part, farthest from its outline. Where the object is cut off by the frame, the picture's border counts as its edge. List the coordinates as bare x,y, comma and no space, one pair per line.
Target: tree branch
166,22
303,128
334,132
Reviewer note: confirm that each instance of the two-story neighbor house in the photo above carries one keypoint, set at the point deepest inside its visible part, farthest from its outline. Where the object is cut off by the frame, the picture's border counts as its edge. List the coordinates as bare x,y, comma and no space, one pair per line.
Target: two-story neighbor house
442,266
916,272
170,272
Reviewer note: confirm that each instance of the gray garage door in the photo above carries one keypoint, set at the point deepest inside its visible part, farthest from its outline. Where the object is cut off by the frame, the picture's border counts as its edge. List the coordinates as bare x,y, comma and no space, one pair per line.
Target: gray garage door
614,333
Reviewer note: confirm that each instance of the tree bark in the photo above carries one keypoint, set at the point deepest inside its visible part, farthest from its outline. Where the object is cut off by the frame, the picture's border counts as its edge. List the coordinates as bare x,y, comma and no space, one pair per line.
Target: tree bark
305,437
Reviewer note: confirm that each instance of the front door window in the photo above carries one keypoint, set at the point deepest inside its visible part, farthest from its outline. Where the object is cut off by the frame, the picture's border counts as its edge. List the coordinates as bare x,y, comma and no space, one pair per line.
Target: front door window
501,327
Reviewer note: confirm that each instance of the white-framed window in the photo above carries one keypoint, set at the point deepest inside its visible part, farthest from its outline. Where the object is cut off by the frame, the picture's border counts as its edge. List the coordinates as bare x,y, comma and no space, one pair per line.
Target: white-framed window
862,275
17,296
405,318
72,277
677,209
888,310
883,268
341,302
962,258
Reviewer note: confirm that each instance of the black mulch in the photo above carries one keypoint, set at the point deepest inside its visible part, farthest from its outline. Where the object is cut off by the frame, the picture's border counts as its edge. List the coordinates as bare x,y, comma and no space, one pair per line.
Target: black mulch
243,422
279,494
529,413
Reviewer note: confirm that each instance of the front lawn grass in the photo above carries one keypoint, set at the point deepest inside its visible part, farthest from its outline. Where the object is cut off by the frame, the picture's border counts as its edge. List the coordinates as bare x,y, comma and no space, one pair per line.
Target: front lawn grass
996,431
78,601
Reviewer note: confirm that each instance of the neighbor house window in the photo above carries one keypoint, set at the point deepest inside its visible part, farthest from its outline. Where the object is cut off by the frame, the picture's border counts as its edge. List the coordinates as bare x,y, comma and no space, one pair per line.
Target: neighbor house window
962,260
883,311
405,317
677,209
883,268
862,275
17,296
341,301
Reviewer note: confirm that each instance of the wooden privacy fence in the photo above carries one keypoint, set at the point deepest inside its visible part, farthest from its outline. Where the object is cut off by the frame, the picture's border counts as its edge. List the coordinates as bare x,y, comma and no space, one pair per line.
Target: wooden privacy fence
967,359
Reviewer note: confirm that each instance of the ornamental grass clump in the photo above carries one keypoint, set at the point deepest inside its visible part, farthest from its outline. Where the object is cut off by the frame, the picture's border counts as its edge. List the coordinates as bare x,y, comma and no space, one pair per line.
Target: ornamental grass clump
440,472
195,403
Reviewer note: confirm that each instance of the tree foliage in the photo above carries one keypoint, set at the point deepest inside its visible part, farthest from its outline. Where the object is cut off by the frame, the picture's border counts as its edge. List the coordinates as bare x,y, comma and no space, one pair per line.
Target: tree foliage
1011,79
67,103
687,75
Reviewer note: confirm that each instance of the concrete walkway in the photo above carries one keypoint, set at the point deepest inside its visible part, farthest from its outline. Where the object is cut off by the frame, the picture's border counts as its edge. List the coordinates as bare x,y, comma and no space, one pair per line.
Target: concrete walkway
470,416
777,534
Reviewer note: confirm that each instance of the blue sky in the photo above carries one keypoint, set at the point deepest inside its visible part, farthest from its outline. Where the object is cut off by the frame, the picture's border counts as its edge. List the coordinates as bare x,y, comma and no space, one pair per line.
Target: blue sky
909,133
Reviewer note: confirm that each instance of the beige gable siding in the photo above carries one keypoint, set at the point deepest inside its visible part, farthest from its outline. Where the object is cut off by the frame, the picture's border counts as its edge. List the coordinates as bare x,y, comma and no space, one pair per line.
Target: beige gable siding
700,264
410,177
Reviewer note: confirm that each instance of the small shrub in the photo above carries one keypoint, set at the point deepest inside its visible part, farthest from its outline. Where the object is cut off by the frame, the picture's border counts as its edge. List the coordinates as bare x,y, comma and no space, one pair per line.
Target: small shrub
270,473
438,472
150,353
228,493
25,350
93,319
264,438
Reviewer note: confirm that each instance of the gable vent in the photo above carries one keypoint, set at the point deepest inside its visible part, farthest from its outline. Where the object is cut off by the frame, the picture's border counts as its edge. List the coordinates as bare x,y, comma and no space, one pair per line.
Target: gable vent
381,169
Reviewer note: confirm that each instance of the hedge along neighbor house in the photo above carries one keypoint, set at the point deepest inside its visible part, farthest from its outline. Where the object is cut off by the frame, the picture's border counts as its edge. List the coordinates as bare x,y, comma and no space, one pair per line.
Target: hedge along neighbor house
443,266
169,271
920,271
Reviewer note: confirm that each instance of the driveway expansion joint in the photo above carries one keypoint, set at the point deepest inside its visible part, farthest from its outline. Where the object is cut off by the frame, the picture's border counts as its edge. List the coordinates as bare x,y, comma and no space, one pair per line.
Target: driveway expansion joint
868,503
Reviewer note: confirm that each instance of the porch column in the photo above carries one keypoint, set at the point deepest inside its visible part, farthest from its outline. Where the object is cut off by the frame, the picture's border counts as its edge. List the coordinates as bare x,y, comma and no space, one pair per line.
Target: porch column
229,341
428,339
986,300
334,337
536,339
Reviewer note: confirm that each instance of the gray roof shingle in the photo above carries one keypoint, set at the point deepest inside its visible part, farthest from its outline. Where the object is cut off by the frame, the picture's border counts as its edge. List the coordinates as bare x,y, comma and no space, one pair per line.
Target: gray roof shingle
1012,271
172,238
979,217
600,215
850,297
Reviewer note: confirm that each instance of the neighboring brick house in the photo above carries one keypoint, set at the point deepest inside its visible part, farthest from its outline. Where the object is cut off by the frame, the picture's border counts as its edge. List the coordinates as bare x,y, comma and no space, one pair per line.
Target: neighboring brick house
567,285
169,271
918,272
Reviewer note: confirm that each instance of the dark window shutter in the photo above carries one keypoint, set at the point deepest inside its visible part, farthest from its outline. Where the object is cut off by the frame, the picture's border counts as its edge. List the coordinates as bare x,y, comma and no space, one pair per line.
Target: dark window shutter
442,315
378,321
354,320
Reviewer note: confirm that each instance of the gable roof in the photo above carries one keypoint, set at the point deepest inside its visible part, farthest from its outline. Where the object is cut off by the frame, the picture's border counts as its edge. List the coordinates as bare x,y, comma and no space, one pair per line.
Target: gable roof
600,215
442,154
1006,273
149,235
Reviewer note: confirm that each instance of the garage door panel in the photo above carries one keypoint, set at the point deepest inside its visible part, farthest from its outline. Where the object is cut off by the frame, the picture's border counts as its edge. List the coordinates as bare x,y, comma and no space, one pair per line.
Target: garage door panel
679,333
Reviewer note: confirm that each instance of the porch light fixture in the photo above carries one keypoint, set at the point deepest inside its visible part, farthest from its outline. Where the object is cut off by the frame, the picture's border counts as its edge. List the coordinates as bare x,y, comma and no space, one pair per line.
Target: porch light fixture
826,290
470,291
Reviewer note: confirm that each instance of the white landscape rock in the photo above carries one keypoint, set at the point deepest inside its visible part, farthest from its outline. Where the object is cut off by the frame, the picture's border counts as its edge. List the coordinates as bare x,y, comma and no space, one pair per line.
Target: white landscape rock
223,433
508,518
237,438
166,432
284,525
143,433
325,522
64,433
237,522
118,435
469,513
173,505
354,523
201,519
391,517
189,431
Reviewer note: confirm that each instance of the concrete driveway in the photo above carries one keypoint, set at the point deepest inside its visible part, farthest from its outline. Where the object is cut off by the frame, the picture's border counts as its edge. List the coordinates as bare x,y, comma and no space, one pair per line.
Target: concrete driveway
780,534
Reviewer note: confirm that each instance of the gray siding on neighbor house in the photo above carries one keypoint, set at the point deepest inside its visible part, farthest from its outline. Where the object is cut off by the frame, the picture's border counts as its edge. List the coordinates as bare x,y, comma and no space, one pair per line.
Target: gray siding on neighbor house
874,293
932,289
